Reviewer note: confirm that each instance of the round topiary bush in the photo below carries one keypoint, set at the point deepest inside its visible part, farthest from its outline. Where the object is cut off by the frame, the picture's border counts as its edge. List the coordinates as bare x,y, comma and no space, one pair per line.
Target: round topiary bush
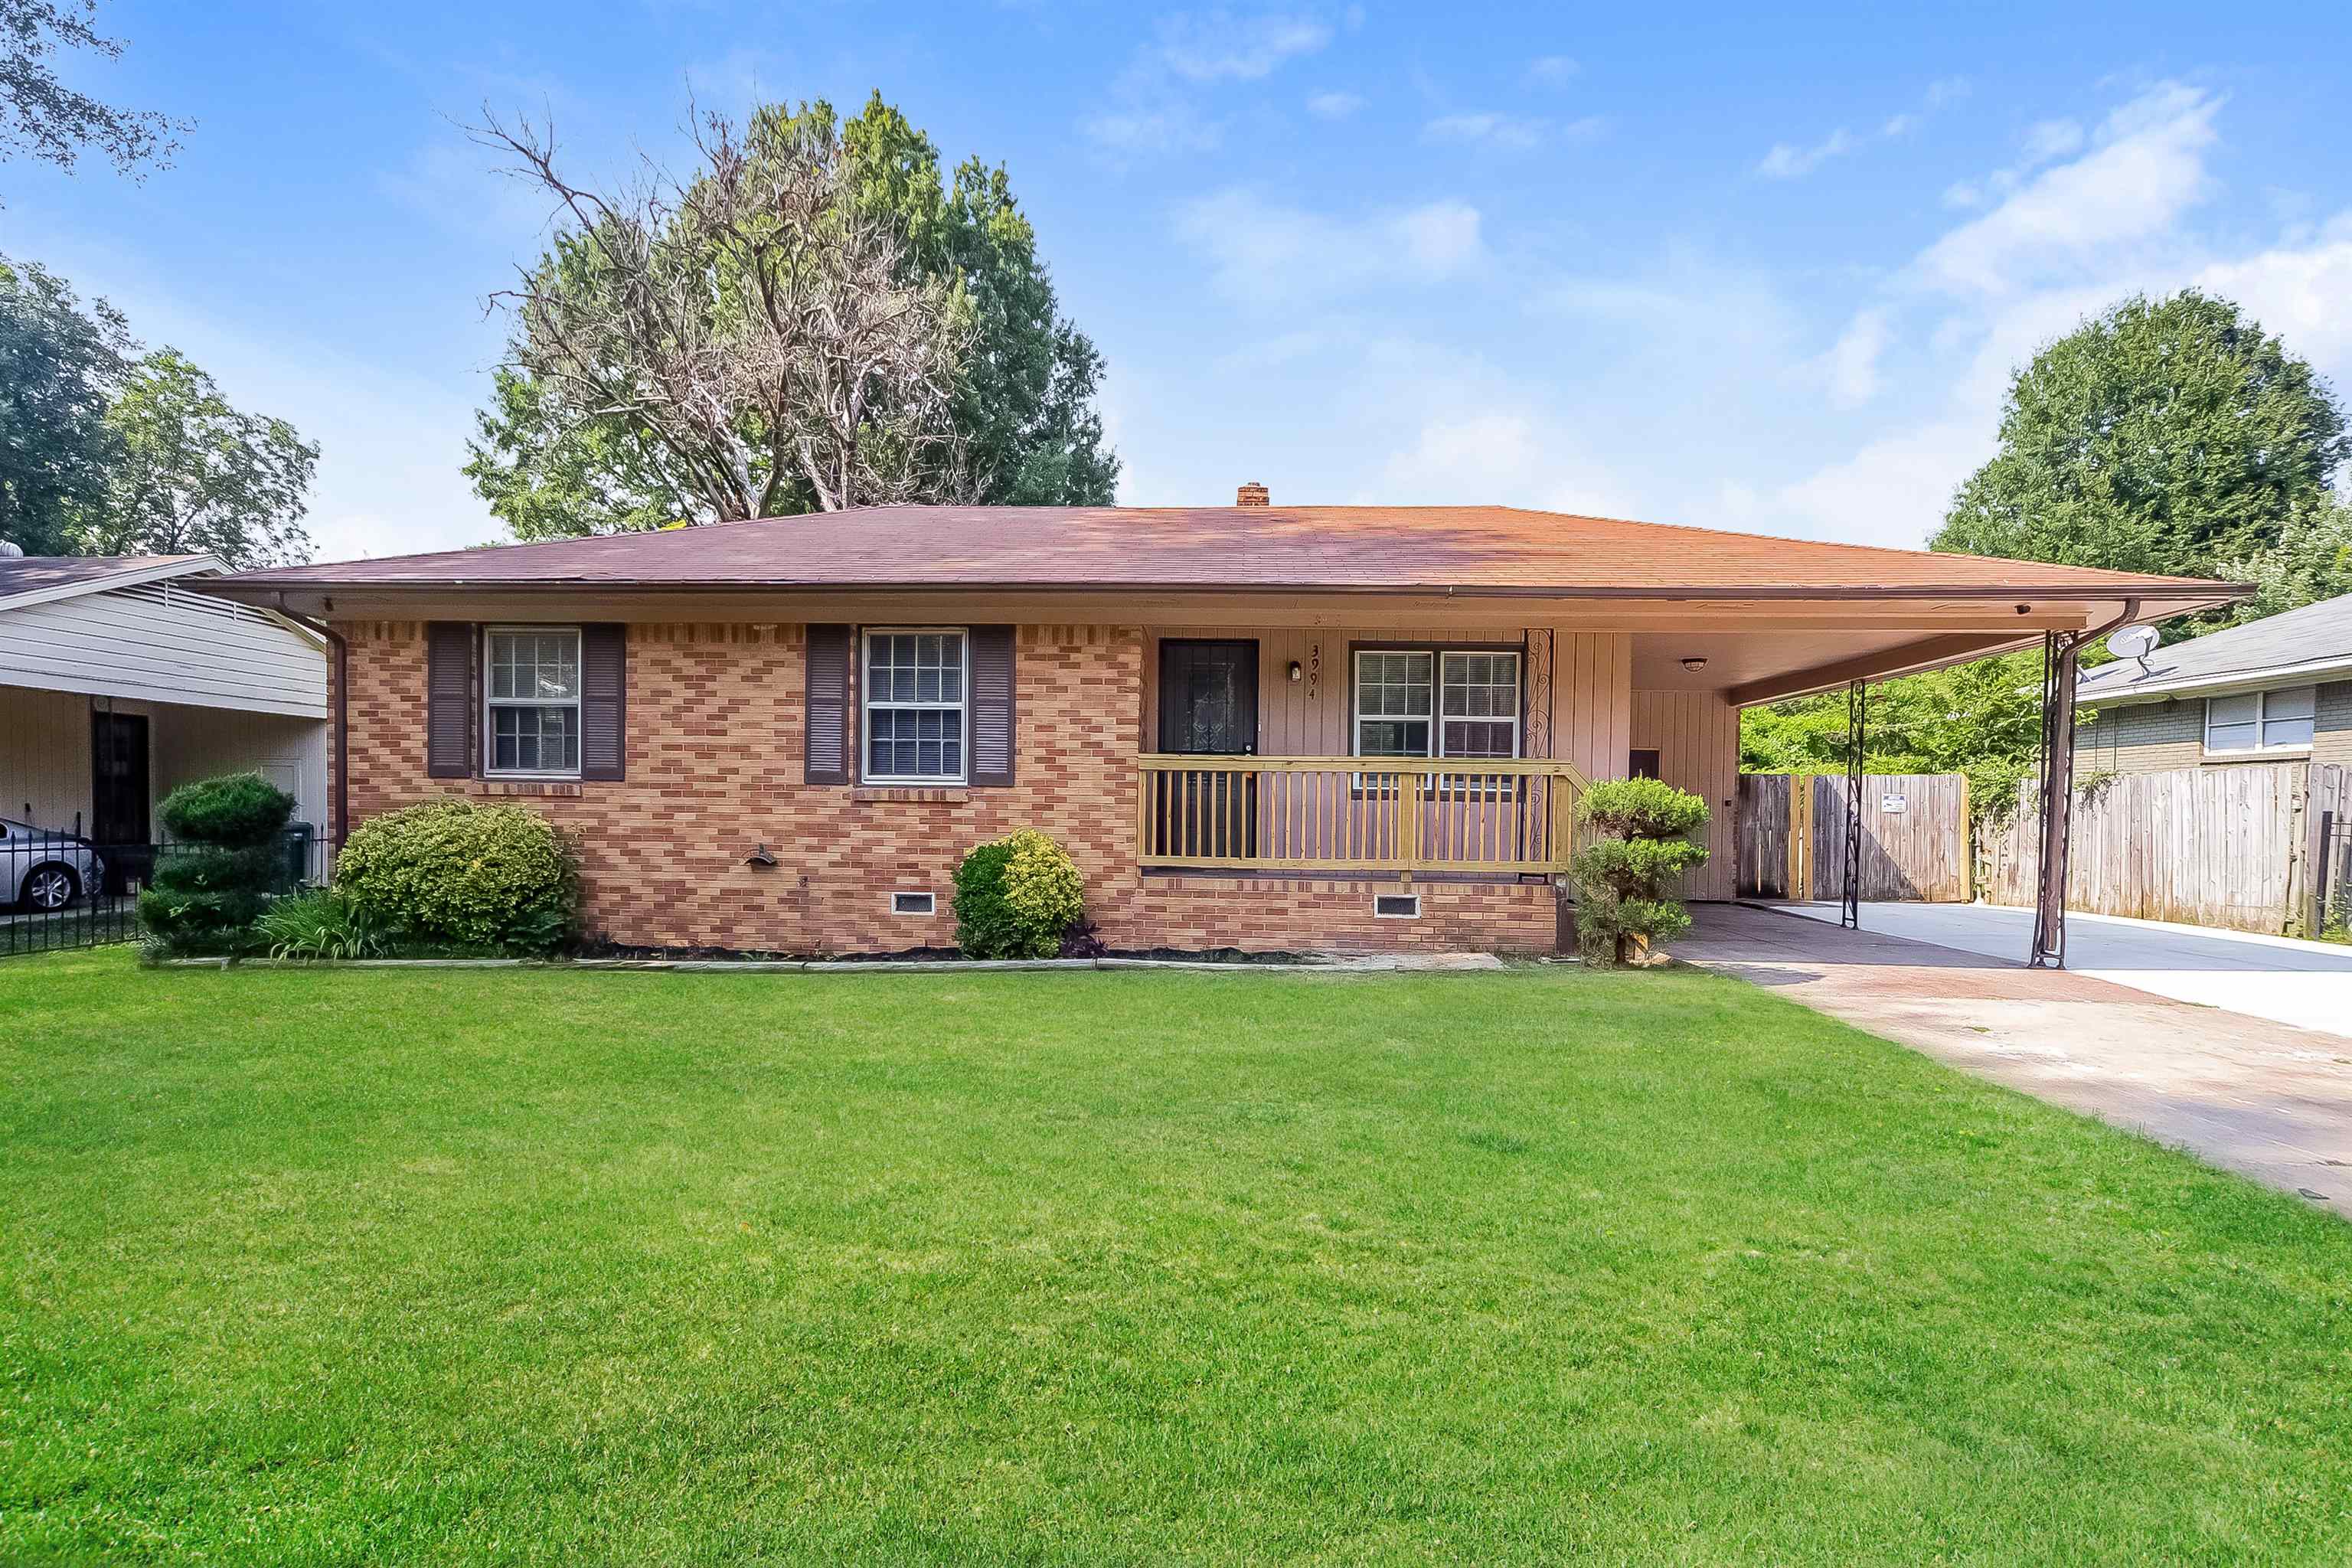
236,812
210,886
466,875
1016,896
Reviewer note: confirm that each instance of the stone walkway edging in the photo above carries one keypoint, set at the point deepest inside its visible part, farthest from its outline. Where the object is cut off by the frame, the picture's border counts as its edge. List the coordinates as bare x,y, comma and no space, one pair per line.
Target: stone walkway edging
1373,964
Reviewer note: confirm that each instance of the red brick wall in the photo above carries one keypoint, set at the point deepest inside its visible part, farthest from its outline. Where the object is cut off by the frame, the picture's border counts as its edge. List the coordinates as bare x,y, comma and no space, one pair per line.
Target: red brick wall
715,738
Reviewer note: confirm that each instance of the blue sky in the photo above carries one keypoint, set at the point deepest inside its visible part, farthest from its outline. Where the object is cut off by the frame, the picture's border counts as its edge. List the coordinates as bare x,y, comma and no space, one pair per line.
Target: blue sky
1691,263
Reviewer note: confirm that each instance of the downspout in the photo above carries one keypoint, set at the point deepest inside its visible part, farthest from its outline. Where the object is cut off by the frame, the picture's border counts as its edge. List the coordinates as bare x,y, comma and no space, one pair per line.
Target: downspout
339,725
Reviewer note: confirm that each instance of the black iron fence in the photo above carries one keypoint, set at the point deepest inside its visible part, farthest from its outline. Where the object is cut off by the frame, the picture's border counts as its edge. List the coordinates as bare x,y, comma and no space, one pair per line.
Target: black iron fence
61,890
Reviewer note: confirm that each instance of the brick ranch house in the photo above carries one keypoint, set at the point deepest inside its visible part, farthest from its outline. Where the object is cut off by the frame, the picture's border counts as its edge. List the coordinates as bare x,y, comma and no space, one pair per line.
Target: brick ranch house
1254,726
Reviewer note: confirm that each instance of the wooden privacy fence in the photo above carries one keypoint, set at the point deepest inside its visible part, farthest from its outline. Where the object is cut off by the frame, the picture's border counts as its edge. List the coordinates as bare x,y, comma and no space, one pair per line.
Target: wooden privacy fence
1914,837
2240,847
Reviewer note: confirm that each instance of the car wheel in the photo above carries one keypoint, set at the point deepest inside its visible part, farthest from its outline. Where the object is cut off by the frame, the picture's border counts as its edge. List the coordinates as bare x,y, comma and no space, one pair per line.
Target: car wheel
49,889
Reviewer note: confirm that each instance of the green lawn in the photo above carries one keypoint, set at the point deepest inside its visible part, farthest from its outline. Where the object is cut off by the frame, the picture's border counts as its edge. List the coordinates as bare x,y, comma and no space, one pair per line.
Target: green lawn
530,1267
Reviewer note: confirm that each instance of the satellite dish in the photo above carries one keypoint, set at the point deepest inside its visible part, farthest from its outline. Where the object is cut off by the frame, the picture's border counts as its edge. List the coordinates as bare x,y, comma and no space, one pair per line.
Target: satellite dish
2133,642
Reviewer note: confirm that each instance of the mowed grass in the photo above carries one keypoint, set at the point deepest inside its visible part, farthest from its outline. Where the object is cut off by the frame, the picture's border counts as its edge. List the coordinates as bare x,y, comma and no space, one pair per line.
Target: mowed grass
527,1267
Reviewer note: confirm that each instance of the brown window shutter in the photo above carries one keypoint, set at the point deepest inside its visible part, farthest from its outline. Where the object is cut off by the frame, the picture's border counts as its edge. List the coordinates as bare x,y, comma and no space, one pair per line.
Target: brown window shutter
991,705
604,700
448,699
828,705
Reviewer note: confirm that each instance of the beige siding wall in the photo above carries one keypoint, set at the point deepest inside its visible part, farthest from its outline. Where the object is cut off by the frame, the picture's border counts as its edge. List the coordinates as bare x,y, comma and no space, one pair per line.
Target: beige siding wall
44,753
1697,737
1589,681
43,756
2157,737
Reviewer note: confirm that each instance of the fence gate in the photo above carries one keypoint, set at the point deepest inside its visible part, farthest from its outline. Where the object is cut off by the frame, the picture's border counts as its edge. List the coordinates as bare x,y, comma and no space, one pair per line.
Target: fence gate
1914,837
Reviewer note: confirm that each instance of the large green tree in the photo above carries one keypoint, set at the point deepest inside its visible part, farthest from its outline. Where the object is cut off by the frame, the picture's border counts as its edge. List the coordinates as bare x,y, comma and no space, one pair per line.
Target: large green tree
2166,435
2312,561
189,474
580,435
60,364
2169,436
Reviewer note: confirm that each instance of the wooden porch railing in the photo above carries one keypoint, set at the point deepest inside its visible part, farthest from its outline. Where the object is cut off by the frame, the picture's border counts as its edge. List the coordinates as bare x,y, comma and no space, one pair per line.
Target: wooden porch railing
1356,814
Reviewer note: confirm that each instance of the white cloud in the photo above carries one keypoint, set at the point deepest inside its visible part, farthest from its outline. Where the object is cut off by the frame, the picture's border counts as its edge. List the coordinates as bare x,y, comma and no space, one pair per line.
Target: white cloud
2145,171
1509,131
2045,140
1265,252
1977,303
1904,124
1852,366
1217,46
1552,70
1787,161
1895,490
2297,293
1333,105
1158,106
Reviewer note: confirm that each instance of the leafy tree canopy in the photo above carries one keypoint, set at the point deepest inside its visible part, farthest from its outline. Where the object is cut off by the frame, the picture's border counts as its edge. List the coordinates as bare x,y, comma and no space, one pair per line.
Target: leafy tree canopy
1024,428
2166,435
190,474
59,366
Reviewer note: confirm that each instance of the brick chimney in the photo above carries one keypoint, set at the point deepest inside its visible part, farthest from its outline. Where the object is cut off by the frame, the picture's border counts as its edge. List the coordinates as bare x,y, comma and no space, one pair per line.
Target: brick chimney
1253,494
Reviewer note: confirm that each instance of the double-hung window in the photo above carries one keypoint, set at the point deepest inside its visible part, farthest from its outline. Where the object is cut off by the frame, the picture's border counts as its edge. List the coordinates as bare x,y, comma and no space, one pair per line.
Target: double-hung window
2262,720
1438,702
913,698
532,701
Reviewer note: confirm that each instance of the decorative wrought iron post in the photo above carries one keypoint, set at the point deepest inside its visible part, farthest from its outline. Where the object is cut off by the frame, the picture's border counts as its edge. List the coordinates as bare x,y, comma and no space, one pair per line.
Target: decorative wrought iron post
1858,716
2059,653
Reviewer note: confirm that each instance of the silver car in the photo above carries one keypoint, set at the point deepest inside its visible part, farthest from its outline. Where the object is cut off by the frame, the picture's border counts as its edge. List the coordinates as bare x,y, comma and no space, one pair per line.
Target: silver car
45,870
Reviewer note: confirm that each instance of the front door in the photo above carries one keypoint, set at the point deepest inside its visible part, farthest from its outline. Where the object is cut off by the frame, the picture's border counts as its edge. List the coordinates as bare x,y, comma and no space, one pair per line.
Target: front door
1208,707
118,794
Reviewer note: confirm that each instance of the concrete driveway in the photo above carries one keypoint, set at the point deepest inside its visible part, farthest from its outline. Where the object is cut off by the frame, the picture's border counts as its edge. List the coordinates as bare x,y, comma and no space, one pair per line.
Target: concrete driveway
2306,984
2253,1095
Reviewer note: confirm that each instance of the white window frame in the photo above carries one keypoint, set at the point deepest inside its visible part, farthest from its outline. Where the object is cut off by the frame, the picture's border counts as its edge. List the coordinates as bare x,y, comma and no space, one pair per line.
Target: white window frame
2262,720
492,704
1437,657
866,706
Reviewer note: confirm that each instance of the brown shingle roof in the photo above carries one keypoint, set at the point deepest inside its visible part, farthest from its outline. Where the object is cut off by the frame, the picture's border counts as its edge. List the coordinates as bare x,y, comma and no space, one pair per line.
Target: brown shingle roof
37,574
1330,548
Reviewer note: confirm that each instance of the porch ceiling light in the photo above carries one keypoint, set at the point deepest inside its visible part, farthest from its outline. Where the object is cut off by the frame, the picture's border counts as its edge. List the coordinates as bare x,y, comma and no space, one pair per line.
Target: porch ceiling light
1695,664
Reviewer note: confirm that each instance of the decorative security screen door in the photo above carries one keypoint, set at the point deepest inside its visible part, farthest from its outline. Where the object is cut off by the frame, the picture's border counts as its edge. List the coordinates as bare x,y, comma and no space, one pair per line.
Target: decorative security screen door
1208,707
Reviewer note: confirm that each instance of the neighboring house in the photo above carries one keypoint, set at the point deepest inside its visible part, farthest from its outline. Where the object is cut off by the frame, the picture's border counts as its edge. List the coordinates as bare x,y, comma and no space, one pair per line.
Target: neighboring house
1253,726
120,677
2275,691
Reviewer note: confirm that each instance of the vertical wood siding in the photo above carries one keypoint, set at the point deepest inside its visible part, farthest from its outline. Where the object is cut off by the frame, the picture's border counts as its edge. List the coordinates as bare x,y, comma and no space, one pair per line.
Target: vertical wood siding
1589,684
1697,737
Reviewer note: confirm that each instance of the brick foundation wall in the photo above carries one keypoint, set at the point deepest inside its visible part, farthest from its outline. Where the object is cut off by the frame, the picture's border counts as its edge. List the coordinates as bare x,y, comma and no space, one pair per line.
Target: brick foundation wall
715,735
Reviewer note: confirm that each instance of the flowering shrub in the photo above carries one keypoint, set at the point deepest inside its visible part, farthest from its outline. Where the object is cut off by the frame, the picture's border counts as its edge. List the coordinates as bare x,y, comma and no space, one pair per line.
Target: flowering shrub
1016,896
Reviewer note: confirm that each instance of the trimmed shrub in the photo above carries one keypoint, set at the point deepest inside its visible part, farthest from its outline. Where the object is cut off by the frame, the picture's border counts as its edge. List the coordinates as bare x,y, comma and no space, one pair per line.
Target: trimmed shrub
321,923
239,811
207,892
1016,897
455,872
1624,905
